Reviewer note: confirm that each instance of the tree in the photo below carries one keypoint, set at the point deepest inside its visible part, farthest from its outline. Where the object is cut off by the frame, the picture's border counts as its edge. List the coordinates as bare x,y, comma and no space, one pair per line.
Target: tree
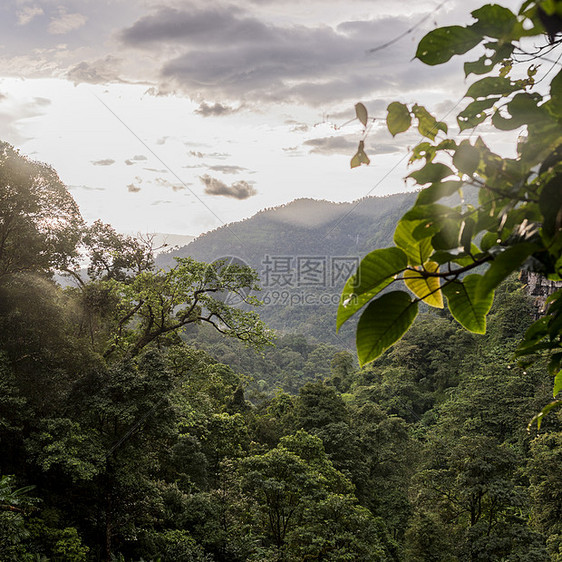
440,249
130,305
40,224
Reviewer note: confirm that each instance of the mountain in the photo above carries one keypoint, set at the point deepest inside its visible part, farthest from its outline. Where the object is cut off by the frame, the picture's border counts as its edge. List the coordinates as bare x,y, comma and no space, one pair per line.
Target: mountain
304,252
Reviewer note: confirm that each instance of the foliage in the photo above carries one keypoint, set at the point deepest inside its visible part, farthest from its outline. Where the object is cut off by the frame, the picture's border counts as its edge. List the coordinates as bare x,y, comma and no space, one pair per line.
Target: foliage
440,248
40,224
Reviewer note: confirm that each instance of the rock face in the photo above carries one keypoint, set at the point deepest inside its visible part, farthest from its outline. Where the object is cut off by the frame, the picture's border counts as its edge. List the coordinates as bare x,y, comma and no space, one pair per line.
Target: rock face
540,288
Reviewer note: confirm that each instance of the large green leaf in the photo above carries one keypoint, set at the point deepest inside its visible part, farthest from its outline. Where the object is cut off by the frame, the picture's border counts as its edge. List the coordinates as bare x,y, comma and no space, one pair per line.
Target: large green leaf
466,306
491,86
398,118
523,109
439,45
425,287
417,250
494,21
474,113
503,265
428,126
437,191
431,173
383,323
466,158
375,272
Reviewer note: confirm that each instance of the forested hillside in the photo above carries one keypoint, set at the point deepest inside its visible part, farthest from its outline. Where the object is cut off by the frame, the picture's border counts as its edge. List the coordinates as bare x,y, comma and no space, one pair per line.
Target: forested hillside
304,252
125,436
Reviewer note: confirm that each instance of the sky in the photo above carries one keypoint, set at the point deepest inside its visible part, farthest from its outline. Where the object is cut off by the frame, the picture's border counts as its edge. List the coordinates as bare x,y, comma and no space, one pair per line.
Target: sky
181,116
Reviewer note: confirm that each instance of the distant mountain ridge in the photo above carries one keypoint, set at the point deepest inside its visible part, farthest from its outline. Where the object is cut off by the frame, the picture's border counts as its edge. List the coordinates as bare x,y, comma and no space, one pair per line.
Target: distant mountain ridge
304,252
303,226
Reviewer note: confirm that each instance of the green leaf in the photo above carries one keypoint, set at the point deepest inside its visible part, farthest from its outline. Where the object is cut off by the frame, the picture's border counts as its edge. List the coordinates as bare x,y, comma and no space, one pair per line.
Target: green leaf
467,307
437,191
431,173
491,86
466,158
398,118
557,384
425,288
494,21
482,66
550,204
361,113
439,45
417,250
355,161
376,270
523,109
504,264
539,417
474,113
428,126
383,323
555,102
360,156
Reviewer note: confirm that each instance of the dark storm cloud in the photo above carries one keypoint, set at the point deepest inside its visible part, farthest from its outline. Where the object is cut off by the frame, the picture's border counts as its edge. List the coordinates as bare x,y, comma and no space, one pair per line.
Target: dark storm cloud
220,25
225,52
238,190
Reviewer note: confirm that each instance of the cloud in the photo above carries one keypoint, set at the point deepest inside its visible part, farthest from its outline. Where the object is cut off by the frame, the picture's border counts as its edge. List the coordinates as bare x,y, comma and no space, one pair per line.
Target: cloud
227,53
65,22
104,162
100,71
217,155
135,159
238,190
332,145
215,110
87,187
166,183
42,101
28,13
296,126
132,188
225,169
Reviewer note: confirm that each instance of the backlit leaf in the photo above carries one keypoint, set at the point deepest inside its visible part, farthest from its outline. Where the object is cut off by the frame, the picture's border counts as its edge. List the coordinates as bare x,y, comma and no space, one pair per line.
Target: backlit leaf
417,250
376,270
398,118
426,288
383,323
503,265
361,113
466,306
439,45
